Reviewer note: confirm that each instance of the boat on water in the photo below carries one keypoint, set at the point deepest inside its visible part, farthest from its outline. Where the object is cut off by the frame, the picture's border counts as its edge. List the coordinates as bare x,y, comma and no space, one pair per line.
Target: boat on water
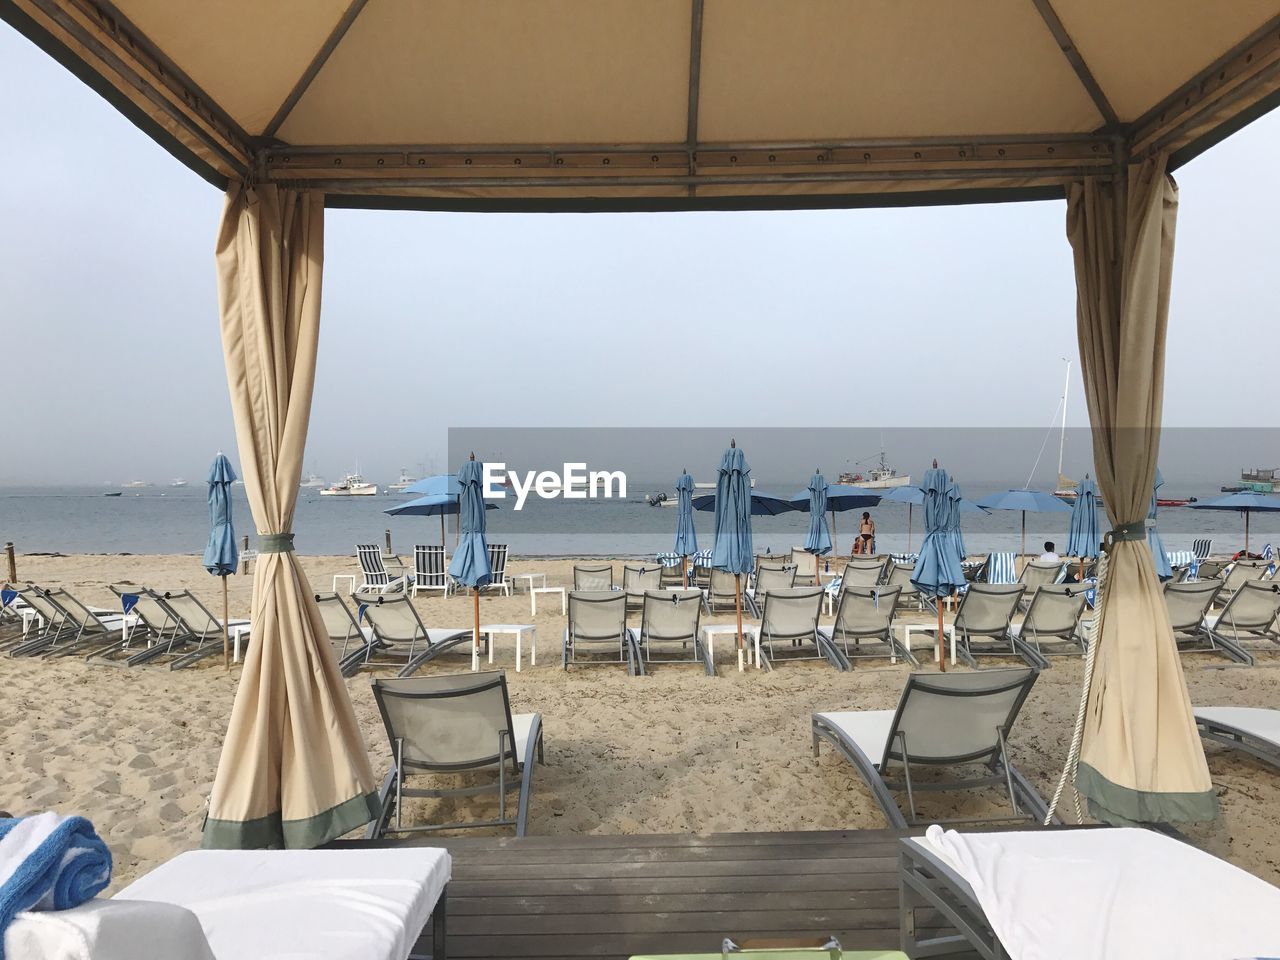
313,482
404,481
177,482
116,493
661,499
712,485
1260,480
135,483
880,477
352,485
1174,502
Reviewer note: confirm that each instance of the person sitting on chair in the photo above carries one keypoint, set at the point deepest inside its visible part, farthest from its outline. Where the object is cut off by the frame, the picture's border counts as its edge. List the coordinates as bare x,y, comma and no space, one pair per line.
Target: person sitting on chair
1050,555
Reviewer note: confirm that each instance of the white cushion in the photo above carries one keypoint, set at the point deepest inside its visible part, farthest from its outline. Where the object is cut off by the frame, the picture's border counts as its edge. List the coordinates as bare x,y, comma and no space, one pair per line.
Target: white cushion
868,729
1259,722
303,904
107,930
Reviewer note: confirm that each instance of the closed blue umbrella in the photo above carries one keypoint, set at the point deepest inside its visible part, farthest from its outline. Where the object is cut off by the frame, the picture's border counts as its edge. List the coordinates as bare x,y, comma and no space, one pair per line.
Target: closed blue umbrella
733,505
1025,501
954,509
914,497
470,563
221,555
1164,570
818,542
1084,534
686,535
1246,503
840,497
938,572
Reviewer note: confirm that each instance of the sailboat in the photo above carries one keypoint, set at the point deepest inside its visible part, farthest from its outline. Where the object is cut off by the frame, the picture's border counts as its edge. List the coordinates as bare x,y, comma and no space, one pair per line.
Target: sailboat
1066,489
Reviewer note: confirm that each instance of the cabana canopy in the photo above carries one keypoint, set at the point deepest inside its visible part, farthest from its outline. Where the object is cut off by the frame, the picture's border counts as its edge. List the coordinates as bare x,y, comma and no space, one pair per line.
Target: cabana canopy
669,104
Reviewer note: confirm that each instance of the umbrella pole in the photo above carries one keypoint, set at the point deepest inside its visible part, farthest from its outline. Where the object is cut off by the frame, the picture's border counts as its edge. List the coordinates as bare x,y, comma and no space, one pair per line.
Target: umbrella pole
909,506
684,570
835,545
942,646
1022,553
737,603
226,620
475,646
442,529
1246,534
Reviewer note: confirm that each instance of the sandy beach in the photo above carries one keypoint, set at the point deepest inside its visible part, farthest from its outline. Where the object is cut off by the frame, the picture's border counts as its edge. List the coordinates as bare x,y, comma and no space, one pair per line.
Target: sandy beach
136,750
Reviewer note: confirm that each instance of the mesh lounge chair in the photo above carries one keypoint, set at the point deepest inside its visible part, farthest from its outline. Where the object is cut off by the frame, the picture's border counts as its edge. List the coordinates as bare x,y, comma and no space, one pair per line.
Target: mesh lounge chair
1002,568
673,572
768,579
866,614
401,636
908,592
593,577
985,614
701,577
636,581
498,566
942,720
862,572
377,579
722,592
1211,569
1036,575
670,617
790,617
1255,730
598,619
1251,611
806,565
431,569
70,626
1202,547
451,725
157,632
1188,605
1240,573
1054,614
204,629
346,636
52,622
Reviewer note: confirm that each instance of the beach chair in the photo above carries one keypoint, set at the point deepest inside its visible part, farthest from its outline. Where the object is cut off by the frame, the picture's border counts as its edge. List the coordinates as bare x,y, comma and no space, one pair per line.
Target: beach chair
1211,569
1188,604
975,569
1251,611
862,572
721,592
672,571
701,576
1054,614
1202,547
865,613
670,617
204,631
1238,574
347,638
946,720
401,637
593,577
806,565
598,622
48,625
790,616
157,632
908,592
431,569
637,580
985,615
498,579
69,626
1255,730
768,578
1002,567
1036,575
456,725
377,579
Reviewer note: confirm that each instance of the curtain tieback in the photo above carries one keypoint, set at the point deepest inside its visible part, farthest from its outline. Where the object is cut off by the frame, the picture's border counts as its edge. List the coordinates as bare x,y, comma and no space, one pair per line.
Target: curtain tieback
1137,530
275,543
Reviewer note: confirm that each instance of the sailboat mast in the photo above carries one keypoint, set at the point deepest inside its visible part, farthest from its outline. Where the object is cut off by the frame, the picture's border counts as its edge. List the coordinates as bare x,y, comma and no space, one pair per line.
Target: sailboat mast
1062,437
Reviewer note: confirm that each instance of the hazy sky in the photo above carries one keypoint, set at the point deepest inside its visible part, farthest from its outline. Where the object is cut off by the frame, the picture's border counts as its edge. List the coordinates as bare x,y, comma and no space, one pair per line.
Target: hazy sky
111,364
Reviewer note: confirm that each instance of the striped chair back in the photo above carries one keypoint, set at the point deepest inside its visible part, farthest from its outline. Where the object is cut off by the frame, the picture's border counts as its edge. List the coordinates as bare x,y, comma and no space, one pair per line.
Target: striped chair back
1001,568
1201,547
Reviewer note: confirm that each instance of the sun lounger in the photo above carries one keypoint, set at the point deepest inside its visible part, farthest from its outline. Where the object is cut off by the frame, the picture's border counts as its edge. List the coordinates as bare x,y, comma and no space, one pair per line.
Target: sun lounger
593,577
205,631
790,618
50,622
347,637
377,579
431,569
674,570
1251,612
70,626
984,617
1036,575
1054,614
156,631
1211,569
862,572
598,622
401,637
668,618
721,592
636,580
866,614
806,565
942,720
1238,574
1002,568
769,577
1202,547
1255,730
1106,894
908,592
1188,604
498,579
450,725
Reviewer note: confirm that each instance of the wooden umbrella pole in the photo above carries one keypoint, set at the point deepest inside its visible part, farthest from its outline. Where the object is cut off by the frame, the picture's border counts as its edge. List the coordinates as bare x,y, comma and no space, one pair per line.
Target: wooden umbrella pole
942,646
909,506
835,545
684,570
475,647
1022,554
737,603
226,626
442,529
1246,534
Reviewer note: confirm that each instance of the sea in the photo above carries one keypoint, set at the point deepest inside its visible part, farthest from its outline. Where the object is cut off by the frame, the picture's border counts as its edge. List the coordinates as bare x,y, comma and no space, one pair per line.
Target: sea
175,520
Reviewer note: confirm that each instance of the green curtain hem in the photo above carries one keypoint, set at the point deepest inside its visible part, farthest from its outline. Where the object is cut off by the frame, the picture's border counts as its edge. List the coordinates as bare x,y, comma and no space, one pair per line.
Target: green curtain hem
1123,806
273,833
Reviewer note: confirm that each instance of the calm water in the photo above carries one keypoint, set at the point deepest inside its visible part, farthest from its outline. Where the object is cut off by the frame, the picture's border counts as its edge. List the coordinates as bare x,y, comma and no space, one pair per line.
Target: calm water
175,520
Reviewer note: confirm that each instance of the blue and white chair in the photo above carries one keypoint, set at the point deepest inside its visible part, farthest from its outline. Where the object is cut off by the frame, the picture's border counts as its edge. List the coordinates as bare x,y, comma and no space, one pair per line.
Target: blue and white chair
1201,547
1001,568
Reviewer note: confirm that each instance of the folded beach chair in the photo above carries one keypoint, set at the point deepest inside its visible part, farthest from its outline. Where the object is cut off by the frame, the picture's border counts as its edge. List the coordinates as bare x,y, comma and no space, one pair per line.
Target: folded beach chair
1255,730
598,621
431,569
1036,575
1252,612
866,614
637,580
347,638
1239,573
1188,604
790,617
946,720
721,592
768,578
1132,893
806,565
498,579
908,592
456,724
71,627
1201,547
377,579
985,616
1054,614
593,577
401,637
668,618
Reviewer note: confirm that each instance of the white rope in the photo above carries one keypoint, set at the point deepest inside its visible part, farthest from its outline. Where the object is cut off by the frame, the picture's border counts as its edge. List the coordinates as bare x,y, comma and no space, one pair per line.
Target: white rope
1077,735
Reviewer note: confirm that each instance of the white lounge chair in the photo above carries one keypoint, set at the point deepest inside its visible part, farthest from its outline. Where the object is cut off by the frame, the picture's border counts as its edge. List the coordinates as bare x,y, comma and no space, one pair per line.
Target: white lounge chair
769,577
1254,730
865,613
986,614
1054,614
597,621
377,578
790,617
431,569
668,618
346,636
593,577
1250,612
402,637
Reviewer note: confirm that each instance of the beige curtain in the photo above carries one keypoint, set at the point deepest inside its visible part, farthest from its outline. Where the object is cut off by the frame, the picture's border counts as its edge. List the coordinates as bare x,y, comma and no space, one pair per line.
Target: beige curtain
1141,758
293,771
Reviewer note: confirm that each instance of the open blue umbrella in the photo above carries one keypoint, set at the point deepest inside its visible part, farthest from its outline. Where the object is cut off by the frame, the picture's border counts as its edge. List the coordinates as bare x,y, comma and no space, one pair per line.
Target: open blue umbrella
1025,501
1246,502
840,497
1164,570
818,542
938,572
761,504
470,563
914,497
440,483
1084,535
433,505
686,535
734,504
221,555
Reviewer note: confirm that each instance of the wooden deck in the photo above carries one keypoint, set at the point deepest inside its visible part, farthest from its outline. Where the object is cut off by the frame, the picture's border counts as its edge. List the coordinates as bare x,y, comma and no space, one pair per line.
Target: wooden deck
618,896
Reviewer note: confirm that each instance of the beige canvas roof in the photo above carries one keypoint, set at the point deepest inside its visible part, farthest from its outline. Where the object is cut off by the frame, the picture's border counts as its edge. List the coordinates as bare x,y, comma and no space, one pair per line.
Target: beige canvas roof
669,103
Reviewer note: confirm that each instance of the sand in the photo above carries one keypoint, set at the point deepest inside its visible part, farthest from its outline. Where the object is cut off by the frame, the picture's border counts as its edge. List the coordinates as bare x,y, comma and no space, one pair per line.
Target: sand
136,750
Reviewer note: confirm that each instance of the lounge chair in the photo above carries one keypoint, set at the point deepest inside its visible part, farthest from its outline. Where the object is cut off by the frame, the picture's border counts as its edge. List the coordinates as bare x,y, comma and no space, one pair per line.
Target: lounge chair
598,620
157,633
1202,547
806,565
348,639
49,622
498,579
975,569
431,569
985,614
593,577
1211,569
862,572
71,627
768,578
204,629
401,637
377,578
908,592
790,617
722,592
866,614
1255,730
636,581
673,571
1238,574
942,720
1054,614
670,617
456,724
1002,568
1188,604
1131,893
1251,611
1036,575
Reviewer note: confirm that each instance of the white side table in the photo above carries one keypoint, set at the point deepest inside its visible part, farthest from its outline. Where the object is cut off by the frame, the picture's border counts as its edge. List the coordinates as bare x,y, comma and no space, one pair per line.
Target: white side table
948,631
750,632
519,630
238,630
344,576
533,599
528,579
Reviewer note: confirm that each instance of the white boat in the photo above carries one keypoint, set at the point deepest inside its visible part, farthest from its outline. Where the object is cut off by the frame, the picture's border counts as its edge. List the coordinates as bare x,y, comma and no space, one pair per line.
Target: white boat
712,486
135,483
880,477
352,485
404,481
178,482
312,482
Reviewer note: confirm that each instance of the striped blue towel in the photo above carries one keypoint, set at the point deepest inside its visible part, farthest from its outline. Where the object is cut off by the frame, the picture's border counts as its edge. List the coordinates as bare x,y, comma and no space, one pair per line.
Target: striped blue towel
1001,568
702,558
669,559
49,862
1091,592
1180,558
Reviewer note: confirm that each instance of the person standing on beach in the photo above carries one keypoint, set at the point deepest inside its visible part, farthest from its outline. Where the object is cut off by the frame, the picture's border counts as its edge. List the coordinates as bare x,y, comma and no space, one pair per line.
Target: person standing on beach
867,533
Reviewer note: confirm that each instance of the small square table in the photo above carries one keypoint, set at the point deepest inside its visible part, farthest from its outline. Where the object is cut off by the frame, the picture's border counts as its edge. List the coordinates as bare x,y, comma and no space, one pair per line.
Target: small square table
518,630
